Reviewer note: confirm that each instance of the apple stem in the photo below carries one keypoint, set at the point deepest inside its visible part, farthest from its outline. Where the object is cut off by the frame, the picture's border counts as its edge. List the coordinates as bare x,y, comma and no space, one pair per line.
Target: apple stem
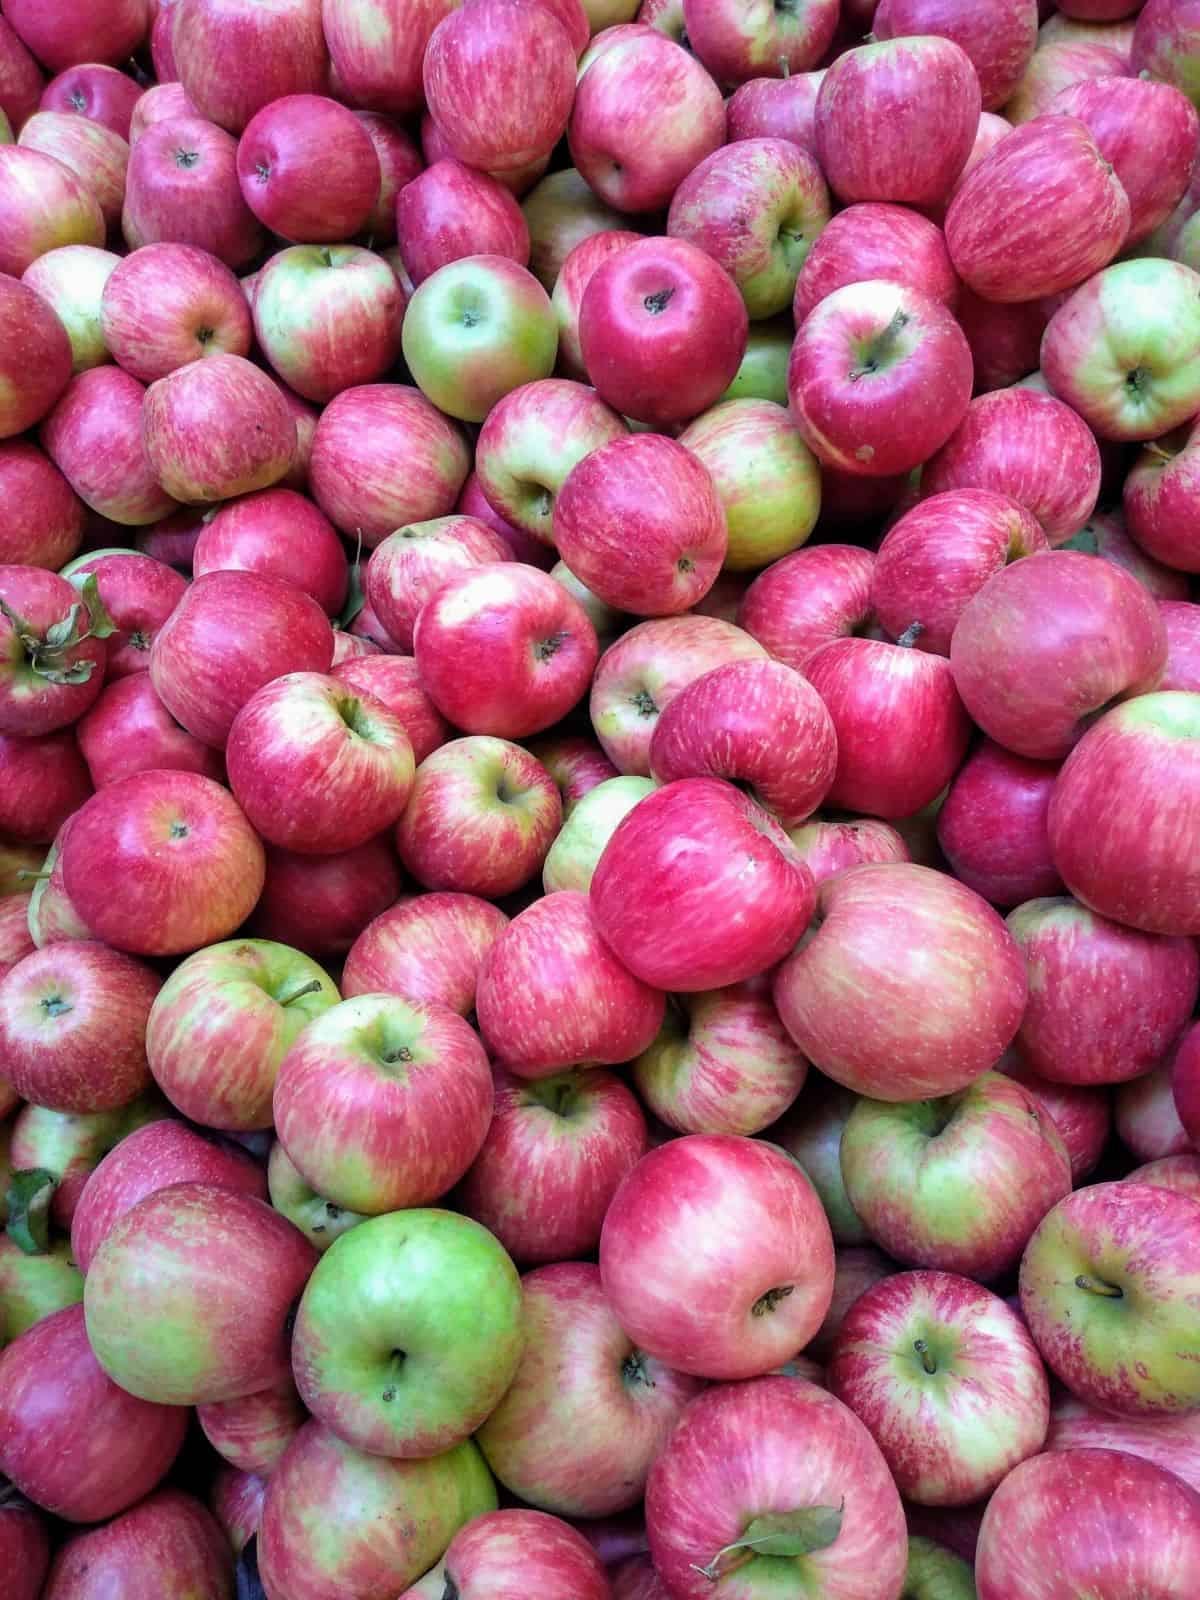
1110,1291
28,875
1155,449
926,1355
313,986
910,635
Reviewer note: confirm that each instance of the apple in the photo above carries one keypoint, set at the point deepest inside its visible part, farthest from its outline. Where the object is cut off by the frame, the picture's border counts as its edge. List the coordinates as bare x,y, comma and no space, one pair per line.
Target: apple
807,600
1082,1114
139,594
34,1287
36,365
878,134
431,219
472,502
52,917
500,1554
561,211
15,942
1146,1116
43,205
872,241
940,553
21,80
775,108
44,520
947,1379
95,91
958,1183
734,1311
281,533
45,781
129,730
481,816
394,682
383,457
1053,1514
723,1063
173,539
576,763
828,846
640,523
992,827
475,59
1167,1442
94,435
1005,340
1164,44
215,1272
698,888
233,57
426,948
52,1154
320,904
553,1157
161,102
645,114
1160,499
935,1572
1181,1173
731,1477
998,36
1029,446
377,54
217,428
568,288
1062,60
161,863
318,1219
95,154
60,36
232,633
1105,535
71,281
53,660
897,933
182,187
458,1292
151,1158
478,328
573,857
399,164
166,1544
395,1518
253,1432
168,304
308,169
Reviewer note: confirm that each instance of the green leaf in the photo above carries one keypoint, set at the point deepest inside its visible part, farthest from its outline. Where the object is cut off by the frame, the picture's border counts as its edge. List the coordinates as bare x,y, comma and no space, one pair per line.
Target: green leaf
782,1533
61,635
29,1195
356,598
102,625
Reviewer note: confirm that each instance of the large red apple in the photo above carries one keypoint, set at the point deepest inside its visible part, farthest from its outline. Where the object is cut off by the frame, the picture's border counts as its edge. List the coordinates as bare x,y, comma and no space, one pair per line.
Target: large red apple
999,36
809,599
130,730
737,42
377,56
217,428
94,436
450,211
44,519
95,91
168,1543
992,826
139,594
876,241
280,533
234,56
308,169
167,304
320,904
182,188
775,108
427,948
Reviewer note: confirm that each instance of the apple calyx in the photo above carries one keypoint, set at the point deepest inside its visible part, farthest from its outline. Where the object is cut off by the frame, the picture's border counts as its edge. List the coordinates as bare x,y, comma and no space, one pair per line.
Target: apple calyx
28,1199
780,1533
47,653
634,1371
766,1303
1094,1285
910,635
546,648
186,158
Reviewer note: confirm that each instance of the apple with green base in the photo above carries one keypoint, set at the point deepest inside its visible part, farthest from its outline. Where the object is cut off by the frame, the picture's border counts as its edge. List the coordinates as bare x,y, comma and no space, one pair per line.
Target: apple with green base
71,281
811,1133
573,857
33,1287
318,1219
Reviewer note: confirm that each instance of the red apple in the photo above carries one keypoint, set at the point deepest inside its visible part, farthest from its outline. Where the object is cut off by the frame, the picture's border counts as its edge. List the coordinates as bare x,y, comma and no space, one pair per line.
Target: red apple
562,210
139,594
992,827
577,764
308,169
1005,340
393,680
234,56
21,78
280,533
1063,59
1161,495
999,36
52,656
35,366
52,917
1146,1117
168,304
571,283
399,163
410,565
217,428
59,35
855,996
173,540
43,205
1082,1115
130,730
1105,535
167,1544
1164,40
44,782
876,241
94,436
232,633
498,1555
161,102
93,152
828,846
43,522
15,942
1181,1173
432,226
377,56
24,1541
807,600
253,1432
775,108
98,92
182,187
426,948
734,1312
320,904
1185,1082
1167,1442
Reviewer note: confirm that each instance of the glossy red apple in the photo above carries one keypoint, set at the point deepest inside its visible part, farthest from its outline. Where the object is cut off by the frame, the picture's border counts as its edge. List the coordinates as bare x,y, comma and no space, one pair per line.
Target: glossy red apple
992,827
308,169
807,600
427,948
393,680
876,241
280,533
320,904
498,1555
44,518
999,36
139,594
168,1543
168,304
775,108
182,188
377,61
233,57
95,91
94,436
432,213
129,730
44,783
217,428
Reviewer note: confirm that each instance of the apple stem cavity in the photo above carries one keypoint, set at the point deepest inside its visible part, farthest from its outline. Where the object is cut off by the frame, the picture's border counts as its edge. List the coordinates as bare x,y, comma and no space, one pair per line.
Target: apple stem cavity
766,1303
1108,1291
878,352
633,1370
546,648
658,302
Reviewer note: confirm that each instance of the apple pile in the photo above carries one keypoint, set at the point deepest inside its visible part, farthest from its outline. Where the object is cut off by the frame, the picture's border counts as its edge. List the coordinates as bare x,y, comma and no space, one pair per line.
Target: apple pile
599,799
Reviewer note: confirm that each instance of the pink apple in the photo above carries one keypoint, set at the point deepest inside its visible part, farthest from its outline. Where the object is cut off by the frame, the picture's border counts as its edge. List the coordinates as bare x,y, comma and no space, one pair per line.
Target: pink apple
855,997
1164,43
733,1313
828,846
94,436
217,428
498,1555
280,533
233,57
1146,1117
1181,1173
1167,1442
999,36
1062,60
377,56
399,163
44,783
431,219
98,92
992,827
320,904
43,205
1185,1082
308,169
130,730
139,594
1161,495
21,78
167,1543
426,948
43,518
807,600
1082,1115
384,456
394,681
876,241
570,285
36,365
161,102
168,304
182,188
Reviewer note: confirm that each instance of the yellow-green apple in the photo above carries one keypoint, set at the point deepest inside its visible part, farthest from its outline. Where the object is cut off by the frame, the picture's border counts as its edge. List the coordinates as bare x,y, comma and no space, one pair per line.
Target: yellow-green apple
957,1183
94,437
1172,1443
35,367
895,85
320,904
743,902
807,600
478,328
130,730
21,78
879,378
252,1432
384,1306
755,206
327,317
1081,1113
44,519
215,1273
871,241
319,1220
43,205
604,618
1106,1002
216,428
992,826
395,1518
552,995
426,948
935,1572
161,863
579,1363
35,1287
432,226
575,762
730,1483
224,1021
150,1158
1105,1287
168,304
901,729
139,594
382,1103
1146,1117
1165,43
734,1311
1090,635
902,933
168,1543
95,154
639,521
412,563
308,169
281,533
572,859
662,330
766,478
501,1554
939,554
233,57
393,680
562,210
947,1379
182,187
1050,166
44,784
775,108
722,1063
377,52
95,91
576,272
1029,446
474,57
737,43
1049,1530
383,456
811,1133
1061,60
48,1379
71,281
554,1155
231,634
503,649
72,1027
61,1149
1161,495
999,36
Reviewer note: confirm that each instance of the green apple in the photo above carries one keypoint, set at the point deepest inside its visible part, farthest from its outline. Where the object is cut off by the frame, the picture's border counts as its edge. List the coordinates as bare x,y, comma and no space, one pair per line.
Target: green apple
409,1332
474,331
71,280
35,1286
935,1573
763,372
572,857
811,1133
319,1220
